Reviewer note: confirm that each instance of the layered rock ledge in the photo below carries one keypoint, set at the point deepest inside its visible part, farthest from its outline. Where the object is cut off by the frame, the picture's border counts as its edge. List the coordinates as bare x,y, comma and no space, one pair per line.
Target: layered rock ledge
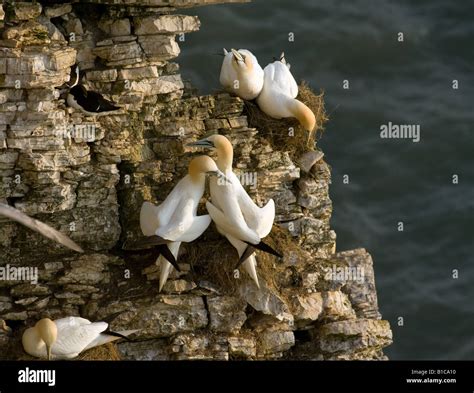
88,177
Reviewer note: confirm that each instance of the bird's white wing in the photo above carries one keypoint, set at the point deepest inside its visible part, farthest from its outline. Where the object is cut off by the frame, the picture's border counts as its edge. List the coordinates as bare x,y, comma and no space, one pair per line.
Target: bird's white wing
180,221
228,224
38,226
267,217
106,338
285,81
228,74
260,219
198,226
269,73
74,338
152,216
71,321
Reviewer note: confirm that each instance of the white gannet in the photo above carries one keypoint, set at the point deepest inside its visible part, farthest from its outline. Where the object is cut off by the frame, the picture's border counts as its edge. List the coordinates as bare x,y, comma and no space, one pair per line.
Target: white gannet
66,338
241,74
278,96
38,226
88,102
236,216
175,220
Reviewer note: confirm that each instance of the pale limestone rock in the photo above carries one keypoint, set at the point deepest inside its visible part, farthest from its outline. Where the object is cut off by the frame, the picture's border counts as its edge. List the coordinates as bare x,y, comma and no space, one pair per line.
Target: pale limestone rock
199,347
178,286
29,289
163,85
57,10
88,269
226,313
307,308
265,300
166,24
159,47
308,159
336,305
273,342
350,336
102,75
5,305
119,52
53,32
362,293
74,28
242,347
310,279
145,350
117,27
138,73
171,315
16,316
24,10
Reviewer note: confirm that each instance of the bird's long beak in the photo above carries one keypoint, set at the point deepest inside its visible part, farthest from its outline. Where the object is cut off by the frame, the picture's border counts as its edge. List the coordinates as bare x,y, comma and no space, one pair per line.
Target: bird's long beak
237,55
48,351
220,176
202,143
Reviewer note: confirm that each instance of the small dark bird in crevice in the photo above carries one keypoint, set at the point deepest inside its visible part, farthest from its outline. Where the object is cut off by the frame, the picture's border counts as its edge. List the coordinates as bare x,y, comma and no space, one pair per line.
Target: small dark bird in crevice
89,102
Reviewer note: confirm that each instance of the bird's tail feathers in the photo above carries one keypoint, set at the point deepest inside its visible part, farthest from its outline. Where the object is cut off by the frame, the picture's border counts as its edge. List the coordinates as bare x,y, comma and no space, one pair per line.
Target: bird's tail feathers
250,266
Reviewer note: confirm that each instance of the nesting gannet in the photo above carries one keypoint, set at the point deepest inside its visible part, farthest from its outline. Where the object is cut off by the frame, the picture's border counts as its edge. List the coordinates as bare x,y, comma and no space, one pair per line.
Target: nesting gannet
89,102
38,226
236,216
278,96
175,220
66,338
241,74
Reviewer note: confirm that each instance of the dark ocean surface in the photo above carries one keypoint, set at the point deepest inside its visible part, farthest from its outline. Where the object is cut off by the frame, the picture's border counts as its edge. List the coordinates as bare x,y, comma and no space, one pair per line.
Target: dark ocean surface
391,180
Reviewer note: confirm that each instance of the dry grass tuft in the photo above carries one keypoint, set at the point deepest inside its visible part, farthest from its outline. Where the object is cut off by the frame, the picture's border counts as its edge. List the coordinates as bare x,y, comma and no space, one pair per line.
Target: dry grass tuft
102,352
214,261
203,256
277,131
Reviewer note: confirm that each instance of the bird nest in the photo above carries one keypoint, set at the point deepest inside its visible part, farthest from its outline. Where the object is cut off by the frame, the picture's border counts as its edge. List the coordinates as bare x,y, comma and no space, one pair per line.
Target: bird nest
214,261
287,134
102,352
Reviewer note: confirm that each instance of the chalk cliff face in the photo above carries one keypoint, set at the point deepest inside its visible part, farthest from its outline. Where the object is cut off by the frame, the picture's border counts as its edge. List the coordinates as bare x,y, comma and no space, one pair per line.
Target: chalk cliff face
88,177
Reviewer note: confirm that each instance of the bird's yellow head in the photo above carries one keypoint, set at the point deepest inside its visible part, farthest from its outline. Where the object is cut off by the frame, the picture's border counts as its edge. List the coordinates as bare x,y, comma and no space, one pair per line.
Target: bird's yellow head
242,60
203,165
225,151
48,332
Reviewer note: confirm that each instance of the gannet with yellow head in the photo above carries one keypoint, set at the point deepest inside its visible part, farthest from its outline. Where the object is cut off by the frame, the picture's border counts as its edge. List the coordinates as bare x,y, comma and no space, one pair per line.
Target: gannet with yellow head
241,74
278,96
66,338
236,216
175,220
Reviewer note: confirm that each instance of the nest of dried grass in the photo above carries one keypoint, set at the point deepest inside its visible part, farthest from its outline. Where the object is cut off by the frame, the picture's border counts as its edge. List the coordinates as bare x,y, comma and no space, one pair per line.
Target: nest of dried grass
215,260
103,352
287,134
